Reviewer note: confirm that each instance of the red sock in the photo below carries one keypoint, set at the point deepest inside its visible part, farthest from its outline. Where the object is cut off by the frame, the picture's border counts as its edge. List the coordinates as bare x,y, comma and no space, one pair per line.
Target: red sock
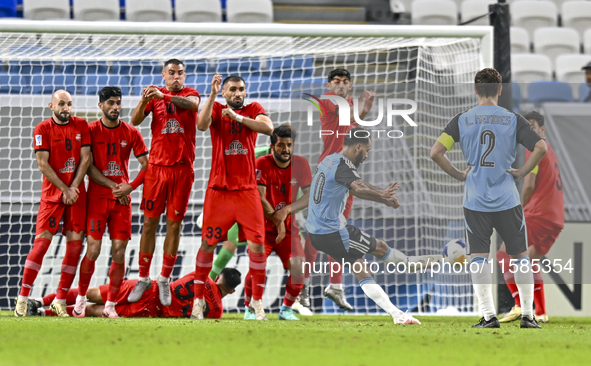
257,266
539,297
337,277
33,264
69,266
86,271
145,261
311,254
116,274
71,296
202,268
292,290
247,289
48,299
505,262
167,264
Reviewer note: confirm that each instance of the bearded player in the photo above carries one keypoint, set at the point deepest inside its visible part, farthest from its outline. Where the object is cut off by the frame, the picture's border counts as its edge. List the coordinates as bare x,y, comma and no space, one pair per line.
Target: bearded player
279,177
339,84
62,149
169,178
232,194
109,203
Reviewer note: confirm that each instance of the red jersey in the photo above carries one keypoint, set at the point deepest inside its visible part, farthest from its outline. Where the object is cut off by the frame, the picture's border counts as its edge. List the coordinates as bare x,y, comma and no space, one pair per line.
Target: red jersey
63,143
547,201
173,130
232,163
111,147
330,122
182,299
282,183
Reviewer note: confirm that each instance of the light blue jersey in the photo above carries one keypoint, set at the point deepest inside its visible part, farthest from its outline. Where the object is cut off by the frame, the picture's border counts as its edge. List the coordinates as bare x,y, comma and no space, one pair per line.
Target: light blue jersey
488,136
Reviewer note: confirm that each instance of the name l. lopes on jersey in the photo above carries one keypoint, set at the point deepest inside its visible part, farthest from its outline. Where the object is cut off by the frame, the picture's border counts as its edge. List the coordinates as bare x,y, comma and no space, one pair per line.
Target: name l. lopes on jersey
236,148
173,126
112,170
70,166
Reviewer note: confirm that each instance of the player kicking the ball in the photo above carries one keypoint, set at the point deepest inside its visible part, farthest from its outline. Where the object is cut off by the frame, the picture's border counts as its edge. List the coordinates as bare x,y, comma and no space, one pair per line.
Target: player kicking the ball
336,177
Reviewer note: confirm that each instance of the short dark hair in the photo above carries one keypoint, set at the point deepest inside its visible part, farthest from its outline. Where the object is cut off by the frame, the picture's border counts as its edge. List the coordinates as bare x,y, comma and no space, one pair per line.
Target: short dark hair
338,72
283,131
109,91
488,82
173,61
233,78
231,277
536,117
354,138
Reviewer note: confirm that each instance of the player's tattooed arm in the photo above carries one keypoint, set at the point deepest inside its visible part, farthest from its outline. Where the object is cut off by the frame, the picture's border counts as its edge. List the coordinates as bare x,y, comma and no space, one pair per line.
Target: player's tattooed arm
438,155
366,191
70,194
204,120
191,102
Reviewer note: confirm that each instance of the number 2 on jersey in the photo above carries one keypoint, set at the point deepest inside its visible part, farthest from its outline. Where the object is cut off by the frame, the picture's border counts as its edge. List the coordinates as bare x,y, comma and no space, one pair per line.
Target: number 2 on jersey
489,149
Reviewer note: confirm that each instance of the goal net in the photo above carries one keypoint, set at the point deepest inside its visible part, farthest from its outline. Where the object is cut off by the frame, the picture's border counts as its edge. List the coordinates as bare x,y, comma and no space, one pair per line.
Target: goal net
278,62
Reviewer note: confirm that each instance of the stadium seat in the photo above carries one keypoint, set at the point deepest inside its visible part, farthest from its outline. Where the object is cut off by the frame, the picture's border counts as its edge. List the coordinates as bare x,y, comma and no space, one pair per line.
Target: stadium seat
148,10
290,66
198,11
519,40
75,64
587,41
549,91
434,12
577,15
14,83
48,83
46,10
102,10
568,69
533,14
554,41
139,82
91,84
141,61
249,66
584,91
471,9
32,63
252,11
201,82
7,8
527,68
266,87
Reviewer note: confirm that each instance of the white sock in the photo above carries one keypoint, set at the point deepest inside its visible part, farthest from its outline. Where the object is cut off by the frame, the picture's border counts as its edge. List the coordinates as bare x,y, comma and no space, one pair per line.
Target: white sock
482,283
144,279
377,294
80,298
394,256
109,303
525,284
23,298
336,286
161,278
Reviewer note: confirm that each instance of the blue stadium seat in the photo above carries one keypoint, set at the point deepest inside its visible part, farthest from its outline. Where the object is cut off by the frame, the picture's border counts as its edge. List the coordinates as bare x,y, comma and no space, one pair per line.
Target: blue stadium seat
14,83
139,82
197,66
266,87
549,91
240,66
584,91
82,68
32,63
516,96
48,83
310,85
7,8
141,64
91,84
187,56
291,66
202,83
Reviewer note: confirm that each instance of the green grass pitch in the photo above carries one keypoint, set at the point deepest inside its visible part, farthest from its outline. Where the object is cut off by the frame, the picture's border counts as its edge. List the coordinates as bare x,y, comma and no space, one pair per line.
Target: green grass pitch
316,340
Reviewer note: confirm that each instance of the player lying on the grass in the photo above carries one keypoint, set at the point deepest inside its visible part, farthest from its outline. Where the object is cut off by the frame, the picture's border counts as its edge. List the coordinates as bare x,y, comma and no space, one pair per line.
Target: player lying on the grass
279,177
108,200
336,177
543,208
149,304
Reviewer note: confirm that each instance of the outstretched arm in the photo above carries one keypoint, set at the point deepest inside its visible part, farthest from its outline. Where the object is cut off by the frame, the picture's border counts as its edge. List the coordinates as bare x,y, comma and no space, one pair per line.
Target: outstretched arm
366,191
204,120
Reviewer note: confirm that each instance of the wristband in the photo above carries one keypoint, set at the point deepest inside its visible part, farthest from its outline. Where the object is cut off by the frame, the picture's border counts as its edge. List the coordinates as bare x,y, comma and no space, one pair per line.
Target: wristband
239,118
139,179
167,98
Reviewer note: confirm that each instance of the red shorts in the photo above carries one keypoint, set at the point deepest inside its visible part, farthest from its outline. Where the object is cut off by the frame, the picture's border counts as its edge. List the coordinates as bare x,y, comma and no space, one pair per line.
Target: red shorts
167,187
541,235
223,208
145,307
105,211
290,246
348,207
50,214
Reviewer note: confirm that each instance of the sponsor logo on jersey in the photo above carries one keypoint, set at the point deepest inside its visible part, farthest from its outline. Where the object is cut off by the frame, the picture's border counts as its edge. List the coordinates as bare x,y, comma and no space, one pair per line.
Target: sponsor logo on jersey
70,166
280,206
123,143
78,137
293,181
112,170
236,149
173,126
38,140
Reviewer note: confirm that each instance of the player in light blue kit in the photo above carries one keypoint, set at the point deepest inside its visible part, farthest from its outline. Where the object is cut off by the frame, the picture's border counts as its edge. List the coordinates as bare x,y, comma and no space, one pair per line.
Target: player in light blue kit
488,135
336,177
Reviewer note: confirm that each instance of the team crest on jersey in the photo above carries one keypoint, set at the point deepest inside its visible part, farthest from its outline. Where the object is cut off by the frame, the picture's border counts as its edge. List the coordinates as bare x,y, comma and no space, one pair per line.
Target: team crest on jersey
280,206
70,166
293,181
173,126
112,170
78,137
236,149
123,143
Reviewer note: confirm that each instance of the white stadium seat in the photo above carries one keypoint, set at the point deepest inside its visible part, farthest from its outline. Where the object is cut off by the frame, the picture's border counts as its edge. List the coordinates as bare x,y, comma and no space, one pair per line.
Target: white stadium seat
569,69
252,11
46,10
554,41
470,9
577,15
519,40
527,67
434,12
587,41
96,10
198,10
148,10
533,14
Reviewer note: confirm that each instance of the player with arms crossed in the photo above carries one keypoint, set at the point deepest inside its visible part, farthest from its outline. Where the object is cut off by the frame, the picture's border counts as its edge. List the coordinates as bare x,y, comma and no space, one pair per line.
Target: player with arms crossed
279,177
109,203
488,135
543,207
170,175
62,148
336,177
339,84
232,194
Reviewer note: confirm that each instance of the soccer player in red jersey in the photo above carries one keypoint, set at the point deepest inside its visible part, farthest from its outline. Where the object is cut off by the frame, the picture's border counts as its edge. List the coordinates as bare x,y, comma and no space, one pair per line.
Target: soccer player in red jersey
339,84
108,202
232,184
170,175
62,148
149,306
543,208
279,177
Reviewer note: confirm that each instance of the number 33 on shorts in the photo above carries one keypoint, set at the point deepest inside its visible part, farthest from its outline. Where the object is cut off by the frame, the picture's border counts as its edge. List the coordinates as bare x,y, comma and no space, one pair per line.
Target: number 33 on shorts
215,233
